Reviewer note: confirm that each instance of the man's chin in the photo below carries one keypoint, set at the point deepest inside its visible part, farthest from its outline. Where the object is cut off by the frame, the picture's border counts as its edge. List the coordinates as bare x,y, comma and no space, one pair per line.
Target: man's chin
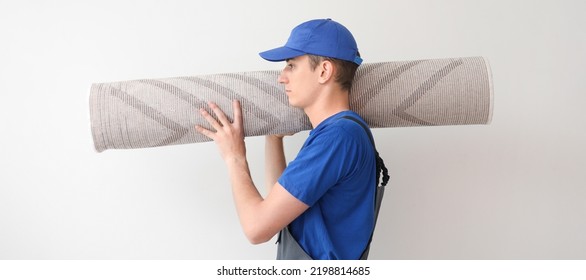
292,104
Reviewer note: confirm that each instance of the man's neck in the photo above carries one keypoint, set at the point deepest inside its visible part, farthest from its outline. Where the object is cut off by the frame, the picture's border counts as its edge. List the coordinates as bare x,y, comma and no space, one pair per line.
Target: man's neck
332,103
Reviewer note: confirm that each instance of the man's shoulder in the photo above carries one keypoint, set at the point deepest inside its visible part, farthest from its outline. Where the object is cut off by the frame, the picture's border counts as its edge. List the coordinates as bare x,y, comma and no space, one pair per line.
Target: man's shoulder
339,127
350,123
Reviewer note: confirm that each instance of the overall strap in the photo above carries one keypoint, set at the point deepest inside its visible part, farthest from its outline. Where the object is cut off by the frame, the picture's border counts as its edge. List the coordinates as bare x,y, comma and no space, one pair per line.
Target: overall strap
380,190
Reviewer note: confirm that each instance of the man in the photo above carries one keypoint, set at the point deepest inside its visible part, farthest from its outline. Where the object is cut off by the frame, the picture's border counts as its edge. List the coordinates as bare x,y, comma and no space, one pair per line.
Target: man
323,200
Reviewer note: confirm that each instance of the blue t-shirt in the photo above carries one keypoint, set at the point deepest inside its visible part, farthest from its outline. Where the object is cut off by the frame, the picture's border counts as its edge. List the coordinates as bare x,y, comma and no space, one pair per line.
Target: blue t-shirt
334,173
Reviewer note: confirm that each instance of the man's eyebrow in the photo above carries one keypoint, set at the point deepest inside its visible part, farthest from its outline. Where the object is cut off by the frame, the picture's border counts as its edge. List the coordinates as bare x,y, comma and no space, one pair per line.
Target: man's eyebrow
289,59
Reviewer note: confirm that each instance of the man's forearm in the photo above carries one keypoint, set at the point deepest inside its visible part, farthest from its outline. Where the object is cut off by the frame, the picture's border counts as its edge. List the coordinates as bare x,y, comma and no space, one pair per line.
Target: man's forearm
247,199
274,160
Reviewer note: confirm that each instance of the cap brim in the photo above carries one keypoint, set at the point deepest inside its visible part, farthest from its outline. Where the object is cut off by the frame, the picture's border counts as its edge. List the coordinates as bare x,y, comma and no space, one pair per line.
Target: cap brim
280,54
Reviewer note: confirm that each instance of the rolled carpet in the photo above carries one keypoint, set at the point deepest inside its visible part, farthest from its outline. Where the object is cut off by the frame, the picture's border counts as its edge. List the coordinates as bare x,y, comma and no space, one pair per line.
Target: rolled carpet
160,112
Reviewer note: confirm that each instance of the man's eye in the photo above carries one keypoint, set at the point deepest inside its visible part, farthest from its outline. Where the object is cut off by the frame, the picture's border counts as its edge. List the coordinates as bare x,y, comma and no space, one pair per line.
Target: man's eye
290,66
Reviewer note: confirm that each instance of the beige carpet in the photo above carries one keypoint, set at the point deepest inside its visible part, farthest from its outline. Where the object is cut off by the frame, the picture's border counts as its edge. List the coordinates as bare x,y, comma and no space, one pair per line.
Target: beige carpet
159,112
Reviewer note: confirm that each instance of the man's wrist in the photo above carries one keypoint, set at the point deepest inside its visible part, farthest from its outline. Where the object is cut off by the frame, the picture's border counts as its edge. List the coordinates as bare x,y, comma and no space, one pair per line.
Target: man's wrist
275,137
236,161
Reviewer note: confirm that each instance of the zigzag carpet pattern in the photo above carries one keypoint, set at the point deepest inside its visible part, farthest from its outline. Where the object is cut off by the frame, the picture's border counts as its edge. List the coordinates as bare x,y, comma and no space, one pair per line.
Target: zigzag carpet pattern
160,112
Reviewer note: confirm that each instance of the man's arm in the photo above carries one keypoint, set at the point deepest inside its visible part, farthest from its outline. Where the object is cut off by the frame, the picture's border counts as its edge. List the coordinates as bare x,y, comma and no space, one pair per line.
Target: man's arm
274,159
260,218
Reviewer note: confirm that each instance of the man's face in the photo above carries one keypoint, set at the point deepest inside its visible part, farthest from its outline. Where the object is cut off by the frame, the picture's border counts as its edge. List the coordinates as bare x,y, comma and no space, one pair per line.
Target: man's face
301,82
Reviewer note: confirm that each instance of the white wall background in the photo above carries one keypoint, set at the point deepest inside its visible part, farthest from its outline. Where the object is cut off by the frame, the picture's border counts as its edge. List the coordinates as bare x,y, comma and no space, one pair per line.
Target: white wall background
514,189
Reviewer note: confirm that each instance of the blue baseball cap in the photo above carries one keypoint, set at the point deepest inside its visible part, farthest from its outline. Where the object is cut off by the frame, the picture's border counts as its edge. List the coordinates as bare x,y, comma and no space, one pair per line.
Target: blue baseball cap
323,37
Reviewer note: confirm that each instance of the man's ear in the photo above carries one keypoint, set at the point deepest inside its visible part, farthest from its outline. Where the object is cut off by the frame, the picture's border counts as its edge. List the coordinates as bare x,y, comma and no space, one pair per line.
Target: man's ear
327,70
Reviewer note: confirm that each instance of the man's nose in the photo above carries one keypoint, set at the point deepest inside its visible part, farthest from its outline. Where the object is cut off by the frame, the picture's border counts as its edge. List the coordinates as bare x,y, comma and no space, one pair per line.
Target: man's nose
282,79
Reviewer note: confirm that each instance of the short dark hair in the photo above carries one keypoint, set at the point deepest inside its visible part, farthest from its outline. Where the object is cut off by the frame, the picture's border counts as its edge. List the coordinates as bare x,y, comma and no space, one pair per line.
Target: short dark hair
345,70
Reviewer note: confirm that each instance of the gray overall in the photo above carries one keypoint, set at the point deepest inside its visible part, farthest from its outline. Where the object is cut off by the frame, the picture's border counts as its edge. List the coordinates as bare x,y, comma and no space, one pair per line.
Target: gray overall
289,249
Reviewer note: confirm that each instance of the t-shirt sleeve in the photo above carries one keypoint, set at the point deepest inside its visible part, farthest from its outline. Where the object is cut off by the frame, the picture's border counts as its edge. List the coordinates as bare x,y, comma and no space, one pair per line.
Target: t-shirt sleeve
320,164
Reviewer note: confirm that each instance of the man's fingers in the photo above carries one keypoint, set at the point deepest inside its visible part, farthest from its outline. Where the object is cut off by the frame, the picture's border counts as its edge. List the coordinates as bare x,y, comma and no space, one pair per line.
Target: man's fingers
224,123
219,113
237,113
205,132
210,119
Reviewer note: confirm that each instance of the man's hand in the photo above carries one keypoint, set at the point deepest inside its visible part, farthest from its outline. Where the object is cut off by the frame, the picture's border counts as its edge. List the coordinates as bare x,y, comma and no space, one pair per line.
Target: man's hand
229,136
